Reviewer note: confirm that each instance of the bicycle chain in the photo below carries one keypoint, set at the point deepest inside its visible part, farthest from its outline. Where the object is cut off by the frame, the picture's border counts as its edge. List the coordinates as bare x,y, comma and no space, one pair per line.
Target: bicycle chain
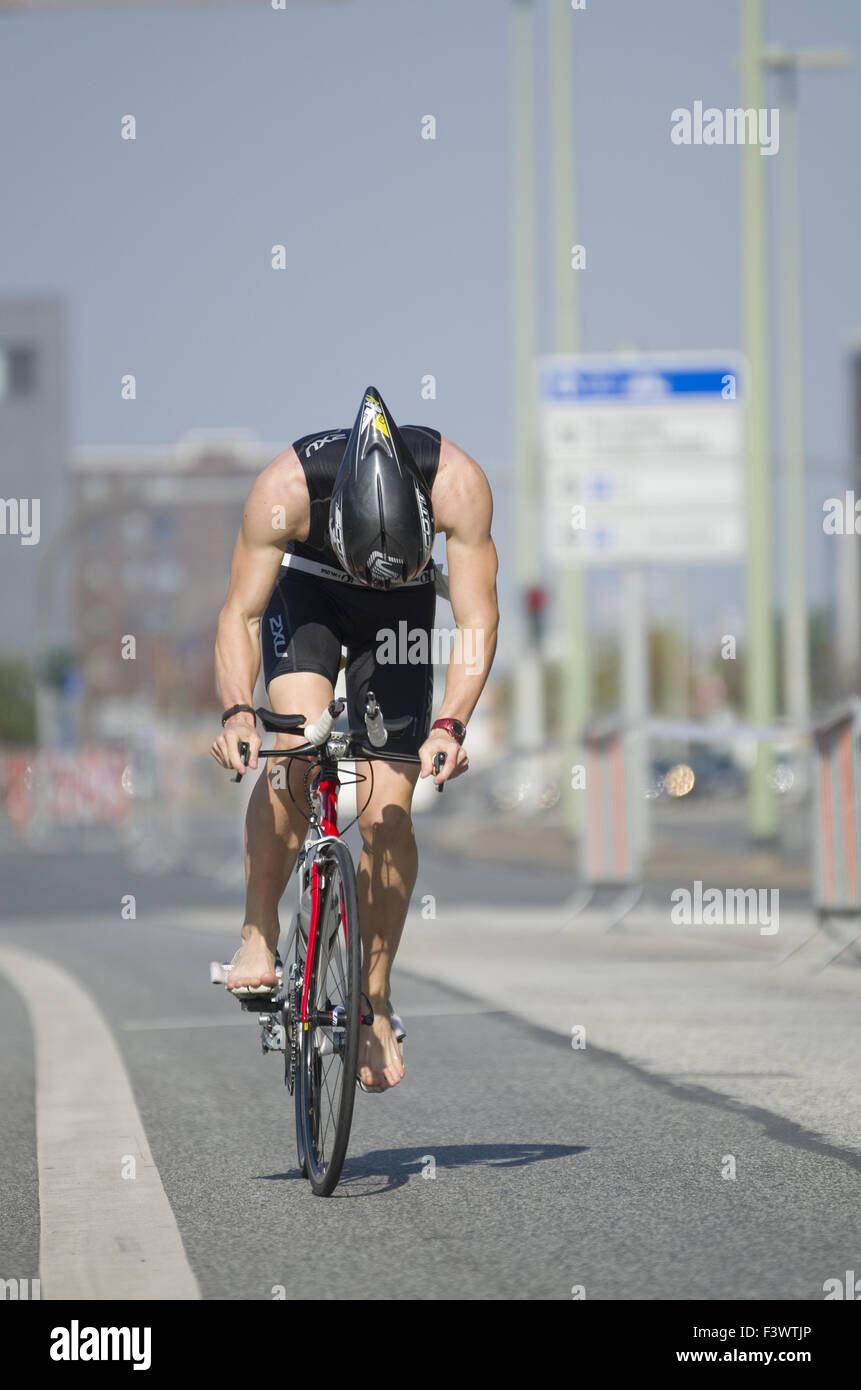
291,1032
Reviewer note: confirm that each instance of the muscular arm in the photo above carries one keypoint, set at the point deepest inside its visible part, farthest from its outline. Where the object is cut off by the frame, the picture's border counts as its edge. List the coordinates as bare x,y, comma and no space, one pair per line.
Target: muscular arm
463,510
277,511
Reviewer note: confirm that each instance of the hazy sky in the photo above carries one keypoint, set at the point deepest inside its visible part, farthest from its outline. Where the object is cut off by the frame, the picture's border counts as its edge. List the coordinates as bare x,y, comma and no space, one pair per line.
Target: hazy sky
302,127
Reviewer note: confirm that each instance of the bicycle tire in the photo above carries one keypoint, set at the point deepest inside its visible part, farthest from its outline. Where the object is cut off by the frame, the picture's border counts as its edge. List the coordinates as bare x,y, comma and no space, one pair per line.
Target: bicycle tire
298,1093
324,1119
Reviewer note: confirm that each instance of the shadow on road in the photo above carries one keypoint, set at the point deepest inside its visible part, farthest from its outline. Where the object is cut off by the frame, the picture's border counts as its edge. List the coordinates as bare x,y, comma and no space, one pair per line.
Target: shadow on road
398,1166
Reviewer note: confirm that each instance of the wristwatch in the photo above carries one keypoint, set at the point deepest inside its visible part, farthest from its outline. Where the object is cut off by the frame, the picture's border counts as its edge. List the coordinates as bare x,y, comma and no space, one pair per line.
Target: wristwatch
451,726
237,709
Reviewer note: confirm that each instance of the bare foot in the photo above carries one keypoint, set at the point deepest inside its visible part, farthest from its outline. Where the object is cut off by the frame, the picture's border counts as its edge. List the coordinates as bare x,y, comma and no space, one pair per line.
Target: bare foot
380,1062
254,963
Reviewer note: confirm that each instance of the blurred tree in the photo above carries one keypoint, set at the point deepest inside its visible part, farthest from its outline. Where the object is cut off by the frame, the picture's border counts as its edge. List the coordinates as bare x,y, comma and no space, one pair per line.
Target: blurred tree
731,672
824,678
17,703
823,664
604,665
666,652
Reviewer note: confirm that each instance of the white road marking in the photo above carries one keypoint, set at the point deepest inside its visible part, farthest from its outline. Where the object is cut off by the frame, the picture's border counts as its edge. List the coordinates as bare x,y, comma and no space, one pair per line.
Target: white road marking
102,1236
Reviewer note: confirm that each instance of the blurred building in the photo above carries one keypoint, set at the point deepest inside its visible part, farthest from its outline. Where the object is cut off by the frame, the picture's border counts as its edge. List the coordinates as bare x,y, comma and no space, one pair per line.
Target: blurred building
150,553
24,5
33,457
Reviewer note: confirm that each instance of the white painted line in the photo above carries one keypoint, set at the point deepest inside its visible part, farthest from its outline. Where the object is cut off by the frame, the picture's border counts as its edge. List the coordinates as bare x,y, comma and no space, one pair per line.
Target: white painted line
102,1236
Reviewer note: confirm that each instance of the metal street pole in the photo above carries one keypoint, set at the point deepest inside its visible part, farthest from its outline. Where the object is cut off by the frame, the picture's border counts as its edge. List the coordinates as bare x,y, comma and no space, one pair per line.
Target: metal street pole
676,657
636,698
528,682
572,582
760,662
796,662
796,651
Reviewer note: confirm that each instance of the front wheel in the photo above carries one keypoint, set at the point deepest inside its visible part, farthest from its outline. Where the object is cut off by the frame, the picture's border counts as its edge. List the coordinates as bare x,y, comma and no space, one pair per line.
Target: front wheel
329,1042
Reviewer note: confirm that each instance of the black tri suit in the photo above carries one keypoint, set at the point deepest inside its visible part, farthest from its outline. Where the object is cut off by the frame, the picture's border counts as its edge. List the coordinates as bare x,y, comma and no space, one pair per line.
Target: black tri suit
316,608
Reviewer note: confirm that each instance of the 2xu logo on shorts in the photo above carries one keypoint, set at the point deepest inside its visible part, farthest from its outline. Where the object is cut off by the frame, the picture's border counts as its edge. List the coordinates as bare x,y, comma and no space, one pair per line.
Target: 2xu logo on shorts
279,641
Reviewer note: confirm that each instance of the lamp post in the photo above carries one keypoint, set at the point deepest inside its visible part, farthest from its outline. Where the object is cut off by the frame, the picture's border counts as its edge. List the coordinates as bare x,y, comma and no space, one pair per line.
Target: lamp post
786,65
528,702
760,673
576,684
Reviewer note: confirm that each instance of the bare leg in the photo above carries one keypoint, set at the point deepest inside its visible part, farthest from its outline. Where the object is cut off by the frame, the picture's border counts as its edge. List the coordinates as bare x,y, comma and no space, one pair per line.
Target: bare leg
274,830
385,880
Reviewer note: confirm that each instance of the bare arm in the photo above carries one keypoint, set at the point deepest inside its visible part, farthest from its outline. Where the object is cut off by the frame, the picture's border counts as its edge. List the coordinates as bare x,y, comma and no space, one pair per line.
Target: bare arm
277,511
463,510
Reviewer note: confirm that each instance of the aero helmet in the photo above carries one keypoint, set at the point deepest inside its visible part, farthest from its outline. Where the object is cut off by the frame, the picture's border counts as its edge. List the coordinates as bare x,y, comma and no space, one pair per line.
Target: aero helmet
380,517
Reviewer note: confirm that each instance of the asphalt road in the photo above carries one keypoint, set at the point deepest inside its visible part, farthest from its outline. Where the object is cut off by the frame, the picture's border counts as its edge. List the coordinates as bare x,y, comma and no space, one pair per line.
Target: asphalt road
552,1170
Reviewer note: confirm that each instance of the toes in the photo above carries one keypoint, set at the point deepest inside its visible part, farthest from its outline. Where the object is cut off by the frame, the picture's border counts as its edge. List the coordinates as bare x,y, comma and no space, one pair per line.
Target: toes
372,1079
394,1074
243,978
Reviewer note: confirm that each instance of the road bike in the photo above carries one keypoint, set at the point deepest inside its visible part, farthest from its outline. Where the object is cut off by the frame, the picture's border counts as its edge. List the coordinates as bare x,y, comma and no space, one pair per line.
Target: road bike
313,1014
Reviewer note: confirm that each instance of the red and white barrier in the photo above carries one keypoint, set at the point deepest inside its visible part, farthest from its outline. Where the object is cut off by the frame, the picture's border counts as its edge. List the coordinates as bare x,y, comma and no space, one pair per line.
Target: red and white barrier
69,787
837,812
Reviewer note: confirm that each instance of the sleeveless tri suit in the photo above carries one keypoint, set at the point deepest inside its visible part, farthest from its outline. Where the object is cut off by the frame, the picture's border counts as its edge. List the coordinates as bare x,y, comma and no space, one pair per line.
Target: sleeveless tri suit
316,608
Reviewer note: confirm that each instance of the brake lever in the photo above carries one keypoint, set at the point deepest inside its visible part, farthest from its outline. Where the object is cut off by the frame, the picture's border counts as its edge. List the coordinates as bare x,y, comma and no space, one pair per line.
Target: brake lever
439,760
245,754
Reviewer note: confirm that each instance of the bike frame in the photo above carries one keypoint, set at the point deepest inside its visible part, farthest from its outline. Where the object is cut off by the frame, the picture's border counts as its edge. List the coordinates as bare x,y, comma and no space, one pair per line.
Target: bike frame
284,1017
323,825
326,787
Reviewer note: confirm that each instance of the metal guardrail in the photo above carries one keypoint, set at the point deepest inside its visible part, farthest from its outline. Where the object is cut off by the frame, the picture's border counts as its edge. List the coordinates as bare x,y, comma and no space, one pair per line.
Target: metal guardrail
609,853
837,815
610,850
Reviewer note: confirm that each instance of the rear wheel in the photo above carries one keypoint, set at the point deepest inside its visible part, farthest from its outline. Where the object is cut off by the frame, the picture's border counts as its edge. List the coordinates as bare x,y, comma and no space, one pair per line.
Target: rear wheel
329,1045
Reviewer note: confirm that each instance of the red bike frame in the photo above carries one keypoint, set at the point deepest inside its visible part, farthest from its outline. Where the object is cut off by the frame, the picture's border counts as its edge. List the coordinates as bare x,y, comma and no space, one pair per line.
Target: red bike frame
328,789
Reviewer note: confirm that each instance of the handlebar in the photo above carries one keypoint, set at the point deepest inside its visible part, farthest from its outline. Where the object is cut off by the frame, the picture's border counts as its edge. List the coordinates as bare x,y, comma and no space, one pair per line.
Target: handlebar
318,735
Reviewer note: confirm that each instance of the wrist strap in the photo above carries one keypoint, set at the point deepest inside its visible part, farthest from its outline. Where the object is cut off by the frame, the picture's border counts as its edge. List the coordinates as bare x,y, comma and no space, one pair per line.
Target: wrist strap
238,709
448,726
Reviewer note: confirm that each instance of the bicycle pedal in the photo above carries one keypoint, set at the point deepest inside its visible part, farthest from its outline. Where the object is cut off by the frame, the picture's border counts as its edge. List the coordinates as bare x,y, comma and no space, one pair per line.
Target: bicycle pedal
262,1003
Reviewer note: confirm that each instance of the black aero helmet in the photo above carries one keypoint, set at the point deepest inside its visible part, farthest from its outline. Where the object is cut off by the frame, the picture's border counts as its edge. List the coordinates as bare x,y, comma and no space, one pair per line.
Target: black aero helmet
380,518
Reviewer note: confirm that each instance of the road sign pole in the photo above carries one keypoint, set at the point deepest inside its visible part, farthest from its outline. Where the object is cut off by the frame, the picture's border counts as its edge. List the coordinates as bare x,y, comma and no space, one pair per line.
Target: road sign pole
675,652
796,666
759,655
635,697
572,580
528,702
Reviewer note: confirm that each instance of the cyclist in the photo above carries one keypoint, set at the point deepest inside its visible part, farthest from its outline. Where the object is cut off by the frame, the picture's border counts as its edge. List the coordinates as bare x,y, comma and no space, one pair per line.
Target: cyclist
334,551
